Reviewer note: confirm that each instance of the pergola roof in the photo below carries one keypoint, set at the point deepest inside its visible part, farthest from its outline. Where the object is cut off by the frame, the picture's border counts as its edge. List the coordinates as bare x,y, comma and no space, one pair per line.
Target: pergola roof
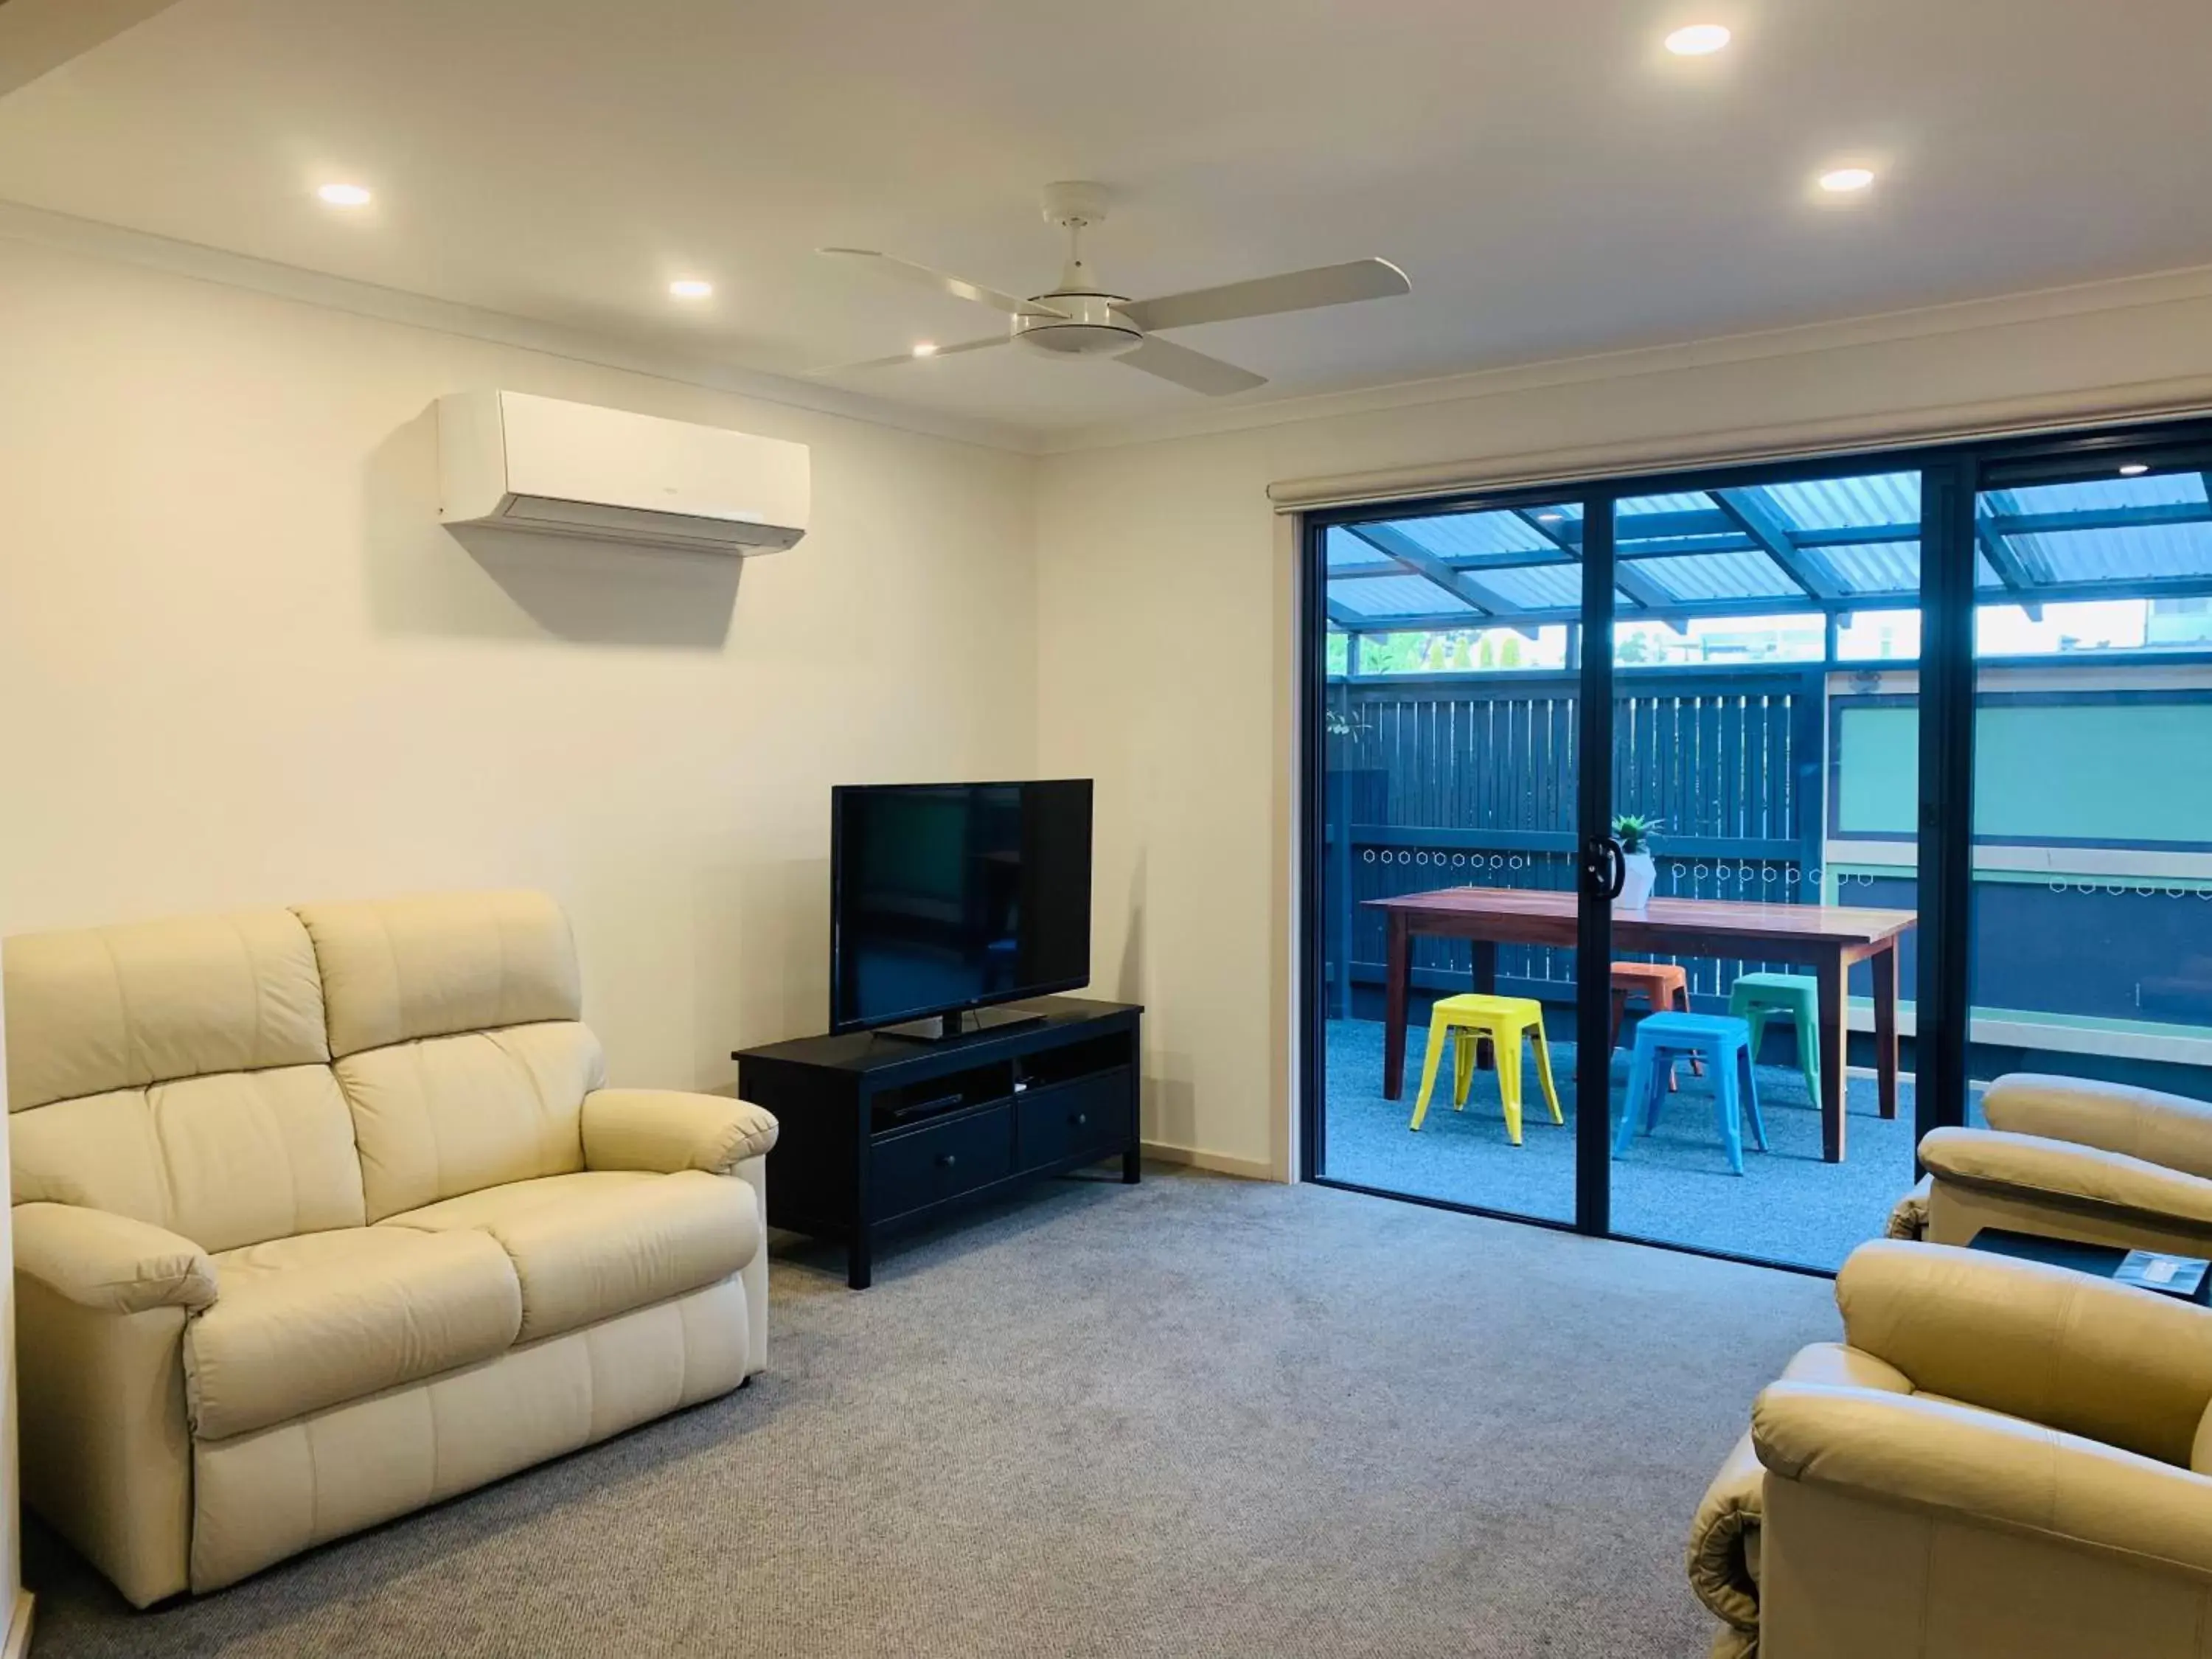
1828,545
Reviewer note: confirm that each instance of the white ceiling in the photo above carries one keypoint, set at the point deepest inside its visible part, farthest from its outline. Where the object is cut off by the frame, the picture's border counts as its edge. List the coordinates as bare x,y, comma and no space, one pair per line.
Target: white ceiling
1553,182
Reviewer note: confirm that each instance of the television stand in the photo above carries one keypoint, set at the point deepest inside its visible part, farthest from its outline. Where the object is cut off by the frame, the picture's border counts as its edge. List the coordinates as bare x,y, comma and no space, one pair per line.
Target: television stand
945,1027
877,1136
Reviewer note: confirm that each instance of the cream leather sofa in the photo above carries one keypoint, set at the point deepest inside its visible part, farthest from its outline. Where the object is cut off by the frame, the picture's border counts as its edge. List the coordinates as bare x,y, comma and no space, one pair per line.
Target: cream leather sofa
2065,1158
322,1215
2001,1461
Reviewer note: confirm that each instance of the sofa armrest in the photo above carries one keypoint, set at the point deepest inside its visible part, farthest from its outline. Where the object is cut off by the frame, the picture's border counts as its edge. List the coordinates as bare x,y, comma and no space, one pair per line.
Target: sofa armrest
665,1130
1723,1554
1937,1457
2169,1130
110,1262
2121,1366
2063,1174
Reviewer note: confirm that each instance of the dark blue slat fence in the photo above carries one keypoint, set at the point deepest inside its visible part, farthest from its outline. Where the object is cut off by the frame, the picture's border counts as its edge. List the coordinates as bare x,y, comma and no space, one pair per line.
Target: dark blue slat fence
1445,781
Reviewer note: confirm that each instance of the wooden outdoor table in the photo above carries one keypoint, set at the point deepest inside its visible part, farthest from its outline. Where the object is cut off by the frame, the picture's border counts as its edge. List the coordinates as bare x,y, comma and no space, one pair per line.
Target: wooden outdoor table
1826,938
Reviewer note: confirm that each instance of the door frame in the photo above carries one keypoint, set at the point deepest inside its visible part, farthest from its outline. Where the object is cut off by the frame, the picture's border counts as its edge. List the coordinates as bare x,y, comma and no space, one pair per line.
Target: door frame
1951,476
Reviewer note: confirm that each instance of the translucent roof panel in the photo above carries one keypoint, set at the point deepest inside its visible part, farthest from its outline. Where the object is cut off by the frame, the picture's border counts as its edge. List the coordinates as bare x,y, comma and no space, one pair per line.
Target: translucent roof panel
1695,502
1717,576
2092,495
1874,568
1536,588
1384,597
1474,535
1347,552
2120,555
1885,498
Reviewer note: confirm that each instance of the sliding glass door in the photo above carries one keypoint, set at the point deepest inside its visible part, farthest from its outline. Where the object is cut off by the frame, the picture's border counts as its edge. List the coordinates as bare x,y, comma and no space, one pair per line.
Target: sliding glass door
1764,753
1450,745
1913,748
2091,888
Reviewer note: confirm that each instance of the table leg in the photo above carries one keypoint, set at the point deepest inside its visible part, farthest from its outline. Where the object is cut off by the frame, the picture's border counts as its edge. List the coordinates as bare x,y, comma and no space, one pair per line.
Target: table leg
1883,964
1829,974
1397,969
1485,985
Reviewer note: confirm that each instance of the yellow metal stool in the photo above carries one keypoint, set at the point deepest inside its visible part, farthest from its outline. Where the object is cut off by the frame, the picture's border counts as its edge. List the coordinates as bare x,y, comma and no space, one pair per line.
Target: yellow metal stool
1504,1022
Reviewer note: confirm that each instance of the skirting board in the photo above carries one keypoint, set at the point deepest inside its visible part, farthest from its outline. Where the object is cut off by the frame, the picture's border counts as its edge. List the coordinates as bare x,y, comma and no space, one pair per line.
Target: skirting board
18,1644
1248,1169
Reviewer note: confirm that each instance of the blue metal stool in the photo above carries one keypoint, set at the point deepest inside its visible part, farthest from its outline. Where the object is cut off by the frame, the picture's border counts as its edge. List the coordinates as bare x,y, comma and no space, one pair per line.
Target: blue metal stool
1723,1039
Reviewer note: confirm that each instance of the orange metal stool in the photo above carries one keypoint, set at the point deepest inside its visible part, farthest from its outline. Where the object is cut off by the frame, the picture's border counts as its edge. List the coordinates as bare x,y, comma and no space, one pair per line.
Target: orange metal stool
1662,985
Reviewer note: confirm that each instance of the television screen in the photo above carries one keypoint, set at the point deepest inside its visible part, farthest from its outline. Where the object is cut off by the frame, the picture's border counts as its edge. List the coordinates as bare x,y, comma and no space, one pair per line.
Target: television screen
956,896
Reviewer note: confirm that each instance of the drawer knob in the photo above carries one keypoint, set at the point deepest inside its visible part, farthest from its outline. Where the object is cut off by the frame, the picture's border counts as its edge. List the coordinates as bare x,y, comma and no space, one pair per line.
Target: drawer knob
1082,1118
947,1160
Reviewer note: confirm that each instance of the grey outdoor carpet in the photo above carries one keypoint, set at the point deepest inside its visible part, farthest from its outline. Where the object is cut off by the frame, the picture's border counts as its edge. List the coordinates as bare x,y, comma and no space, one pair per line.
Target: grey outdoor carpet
1674,1184
1198,1417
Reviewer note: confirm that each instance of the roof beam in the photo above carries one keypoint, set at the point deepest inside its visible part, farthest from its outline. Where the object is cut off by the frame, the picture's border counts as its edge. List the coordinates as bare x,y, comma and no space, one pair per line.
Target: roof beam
2102,518
1641,589
2012,570
1388,539
1753,511
1344,615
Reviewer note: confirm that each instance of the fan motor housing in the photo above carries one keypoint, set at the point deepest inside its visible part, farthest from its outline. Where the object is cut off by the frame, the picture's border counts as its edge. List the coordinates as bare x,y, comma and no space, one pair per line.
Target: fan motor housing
1092,328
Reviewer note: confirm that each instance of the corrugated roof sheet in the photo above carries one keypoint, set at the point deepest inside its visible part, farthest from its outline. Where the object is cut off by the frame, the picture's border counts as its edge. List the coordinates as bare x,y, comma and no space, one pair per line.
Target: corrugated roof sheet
1702,576
1395,596
1845,503
1728,569
1473,535
1347,552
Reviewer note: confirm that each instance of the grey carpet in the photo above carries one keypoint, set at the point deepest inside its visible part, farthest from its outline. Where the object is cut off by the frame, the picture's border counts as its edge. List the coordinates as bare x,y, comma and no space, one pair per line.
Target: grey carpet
1674,1184
1196,1416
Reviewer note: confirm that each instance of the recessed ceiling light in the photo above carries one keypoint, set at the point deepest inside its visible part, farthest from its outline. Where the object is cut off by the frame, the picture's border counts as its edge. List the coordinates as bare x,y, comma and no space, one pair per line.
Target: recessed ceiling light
345,196
1843,180
690,288
2134,470
924,347
1697,40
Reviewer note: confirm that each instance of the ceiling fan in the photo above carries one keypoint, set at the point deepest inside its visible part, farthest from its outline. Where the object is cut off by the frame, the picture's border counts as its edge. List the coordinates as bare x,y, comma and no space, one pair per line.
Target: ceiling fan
1079,318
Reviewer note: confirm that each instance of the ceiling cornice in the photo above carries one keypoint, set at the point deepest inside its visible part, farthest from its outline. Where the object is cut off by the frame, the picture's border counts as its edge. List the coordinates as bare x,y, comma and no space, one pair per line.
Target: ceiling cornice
64,232
61,231
1958,317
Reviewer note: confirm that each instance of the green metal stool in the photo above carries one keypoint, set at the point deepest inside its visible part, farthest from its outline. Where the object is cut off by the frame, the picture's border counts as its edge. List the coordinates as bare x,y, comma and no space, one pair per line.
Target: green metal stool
1759,998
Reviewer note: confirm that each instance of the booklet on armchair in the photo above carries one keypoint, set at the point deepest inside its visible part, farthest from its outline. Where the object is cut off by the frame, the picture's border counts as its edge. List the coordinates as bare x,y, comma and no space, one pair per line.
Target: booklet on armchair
2152,1270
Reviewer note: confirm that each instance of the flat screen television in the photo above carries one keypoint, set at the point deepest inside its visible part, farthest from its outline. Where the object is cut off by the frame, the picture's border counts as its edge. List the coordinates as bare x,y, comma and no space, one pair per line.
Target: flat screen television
946,898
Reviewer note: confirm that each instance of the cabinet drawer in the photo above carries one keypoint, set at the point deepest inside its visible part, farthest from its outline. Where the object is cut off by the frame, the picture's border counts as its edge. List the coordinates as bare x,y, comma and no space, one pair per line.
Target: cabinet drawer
923,1166
1089,1115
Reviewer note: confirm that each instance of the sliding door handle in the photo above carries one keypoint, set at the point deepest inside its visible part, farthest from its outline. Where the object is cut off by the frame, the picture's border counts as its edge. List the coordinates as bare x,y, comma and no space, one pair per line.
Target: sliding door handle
1605,867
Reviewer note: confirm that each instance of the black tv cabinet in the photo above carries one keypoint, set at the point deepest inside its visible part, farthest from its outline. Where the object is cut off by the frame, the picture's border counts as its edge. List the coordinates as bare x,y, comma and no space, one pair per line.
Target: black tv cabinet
880,1133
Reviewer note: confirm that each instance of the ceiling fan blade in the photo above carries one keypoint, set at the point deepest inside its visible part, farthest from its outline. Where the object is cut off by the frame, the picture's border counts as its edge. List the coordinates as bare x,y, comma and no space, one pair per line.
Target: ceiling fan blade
910,356
1191,369
1263,297
922,276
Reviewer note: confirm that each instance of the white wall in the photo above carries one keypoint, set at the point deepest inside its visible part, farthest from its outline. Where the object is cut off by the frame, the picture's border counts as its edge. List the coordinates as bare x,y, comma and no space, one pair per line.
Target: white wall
241,662
1165,593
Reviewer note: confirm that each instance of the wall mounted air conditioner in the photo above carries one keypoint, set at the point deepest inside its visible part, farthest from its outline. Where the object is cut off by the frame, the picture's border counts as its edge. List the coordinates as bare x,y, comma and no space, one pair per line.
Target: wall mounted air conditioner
517,462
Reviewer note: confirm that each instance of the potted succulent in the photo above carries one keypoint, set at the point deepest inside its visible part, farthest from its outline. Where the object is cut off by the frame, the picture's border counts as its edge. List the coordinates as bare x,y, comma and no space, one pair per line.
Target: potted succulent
1634,832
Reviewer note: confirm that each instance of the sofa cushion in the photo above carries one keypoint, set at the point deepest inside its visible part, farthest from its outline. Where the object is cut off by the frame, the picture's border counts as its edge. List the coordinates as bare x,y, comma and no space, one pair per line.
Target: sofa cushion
301,1323
98,1009
227,1160
448,1115
589,1246
394,969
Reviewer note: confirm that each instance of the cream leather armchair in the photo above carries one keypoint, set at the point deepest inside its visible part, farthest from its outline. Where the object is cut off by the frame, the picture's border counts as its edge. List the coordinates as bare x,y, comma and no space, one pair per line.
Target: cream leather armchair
324,1215
2001,1461
2065,1158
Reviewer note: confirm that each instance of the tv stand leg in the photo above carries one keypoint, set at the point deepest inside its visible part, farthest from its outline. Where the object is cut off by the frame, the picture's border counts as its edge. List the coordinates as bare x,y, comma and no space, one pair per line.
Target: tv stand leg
859,1261
1133,1166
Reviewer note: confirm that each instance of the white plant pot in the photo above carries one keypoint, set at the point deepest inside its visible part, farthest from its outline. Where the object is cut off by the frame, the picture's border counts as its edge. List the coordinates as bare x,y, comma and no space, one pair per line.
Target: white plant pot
1640,876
